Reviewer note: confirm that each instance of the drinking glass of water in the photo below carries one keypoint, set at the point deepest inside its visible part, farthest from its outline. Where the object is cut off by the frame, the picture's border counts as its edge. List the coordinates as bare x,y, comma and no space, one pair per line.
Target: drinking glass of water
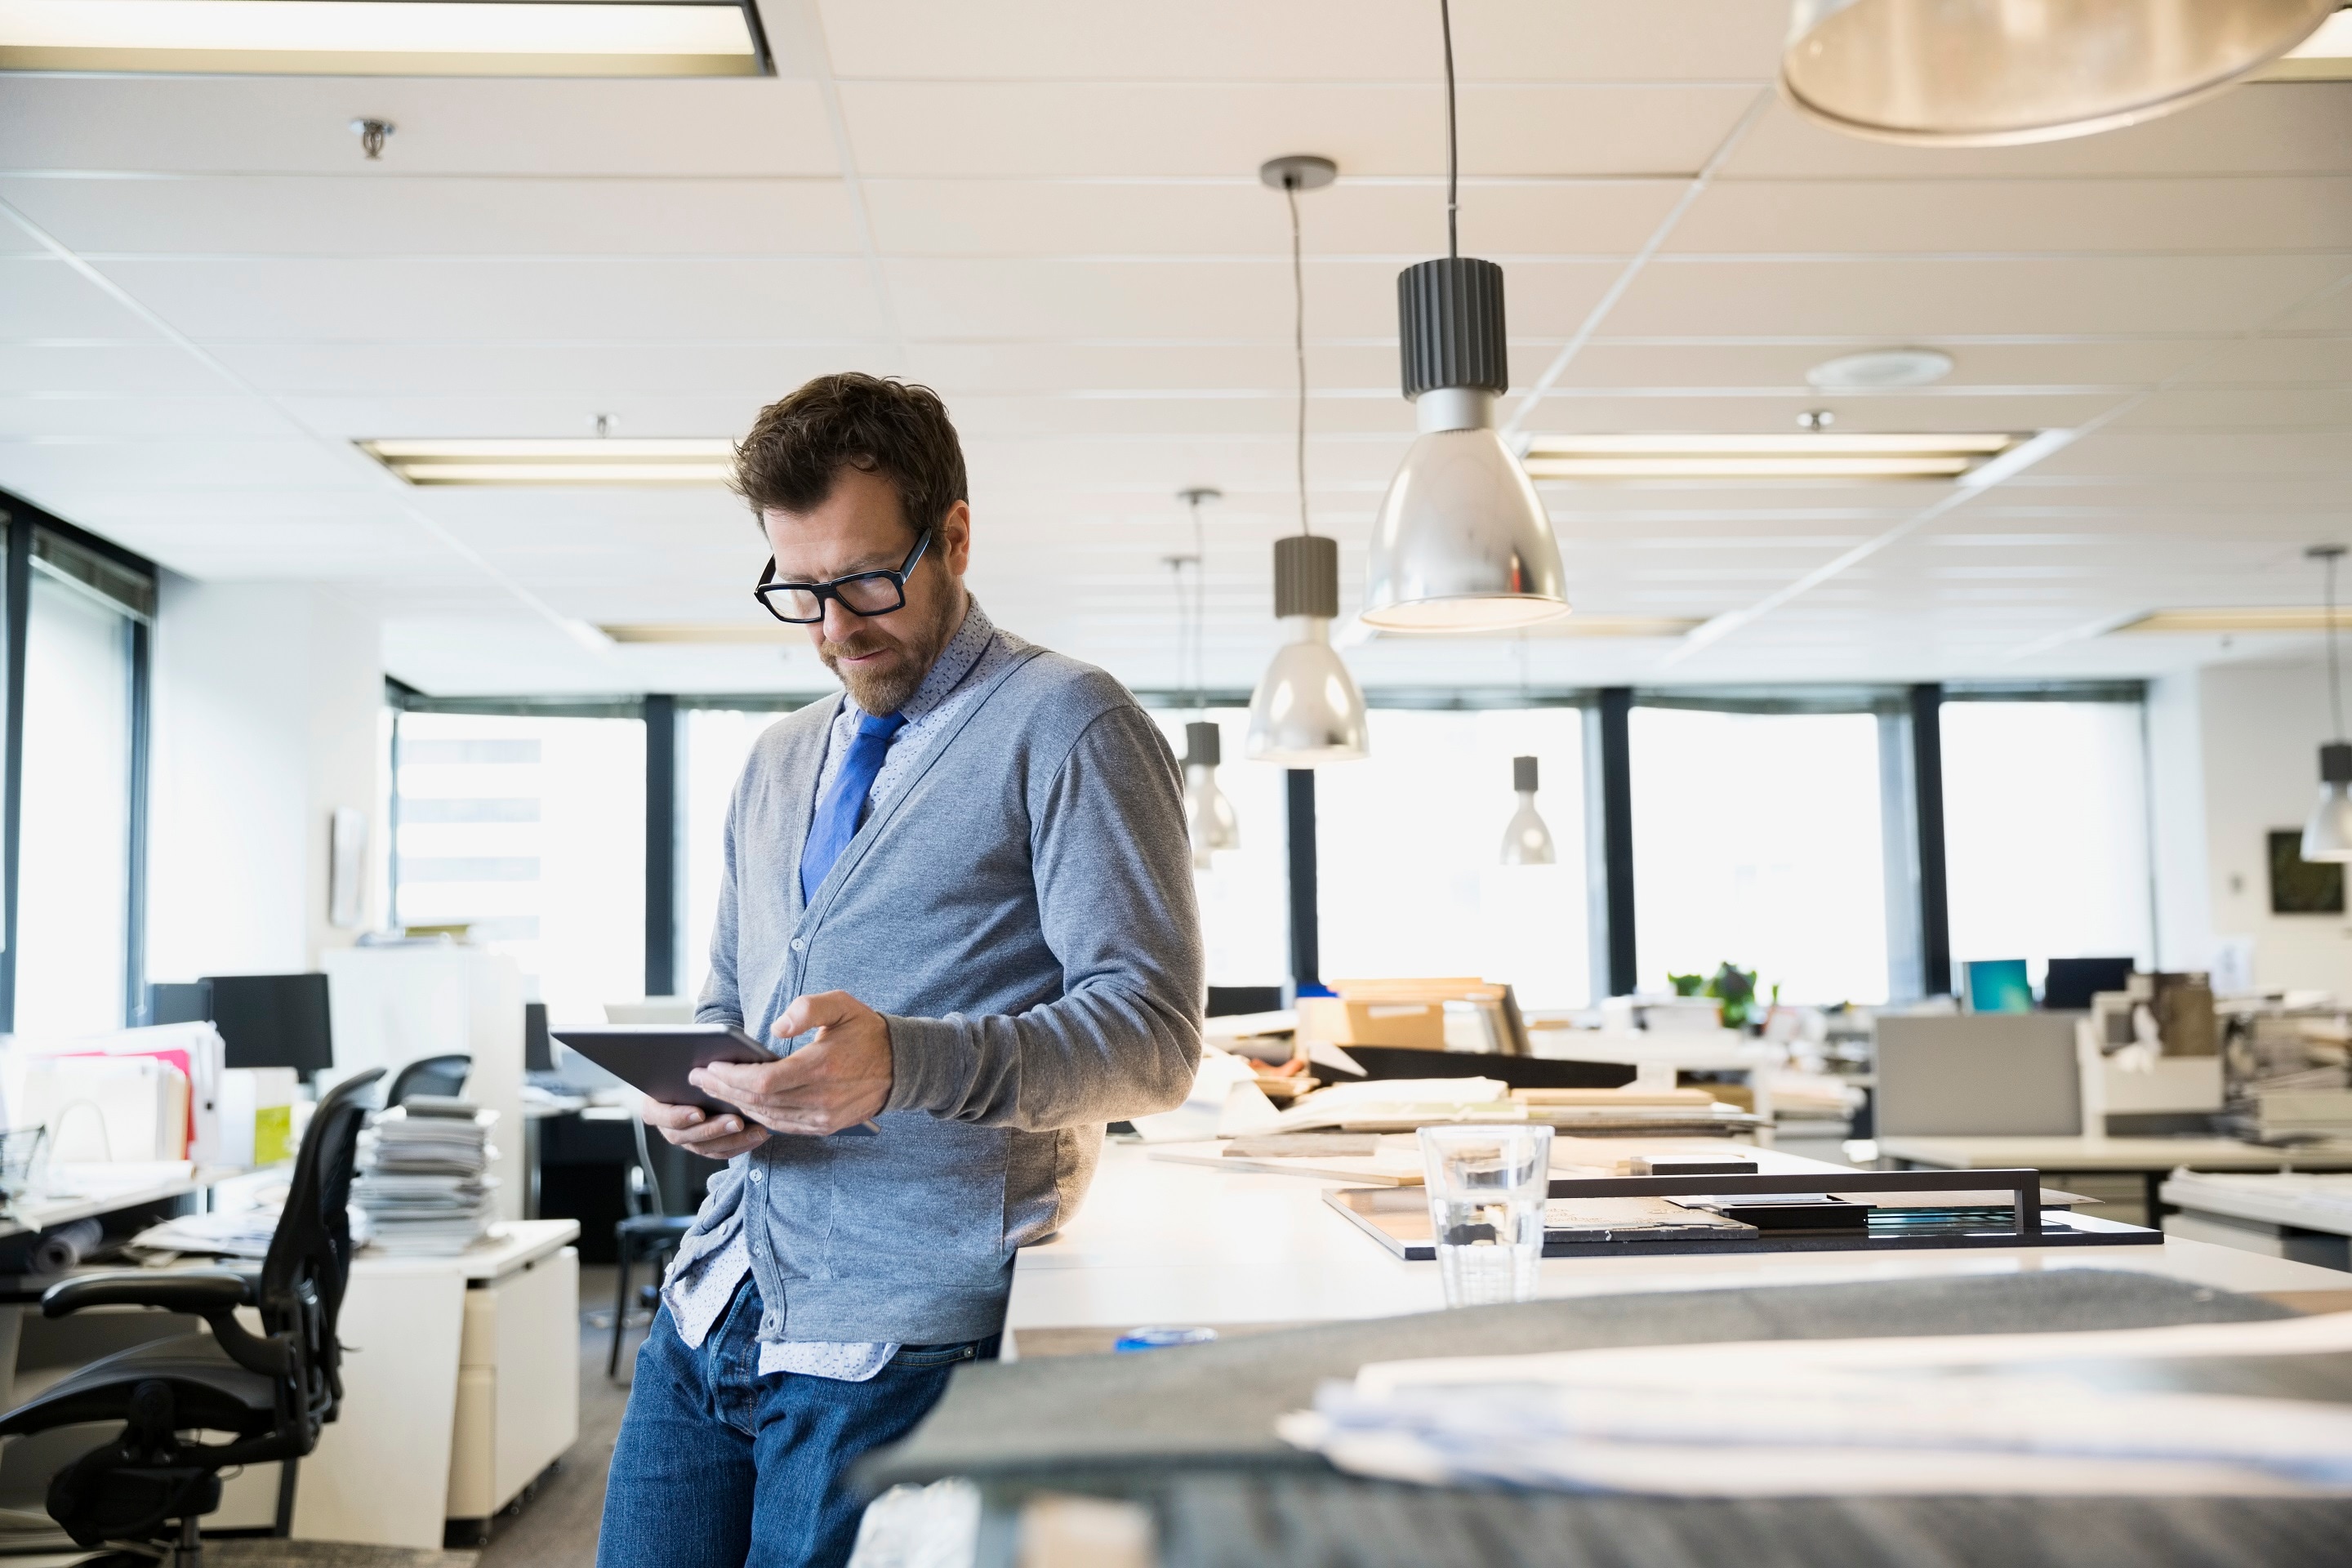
1487,1190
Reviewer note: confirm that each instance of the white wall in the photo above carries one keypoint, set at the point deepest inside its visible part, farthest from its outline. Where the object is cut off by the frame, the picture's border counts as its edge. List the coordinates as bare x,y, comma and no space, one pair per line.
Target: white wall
2252,733
266,703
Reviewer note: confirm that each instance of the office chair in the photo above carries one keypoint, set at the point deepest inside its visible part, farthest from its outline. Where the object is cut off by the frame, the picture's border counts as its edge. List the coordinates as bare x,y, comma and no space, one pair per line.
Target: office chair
429,1075
143,1493
644,1235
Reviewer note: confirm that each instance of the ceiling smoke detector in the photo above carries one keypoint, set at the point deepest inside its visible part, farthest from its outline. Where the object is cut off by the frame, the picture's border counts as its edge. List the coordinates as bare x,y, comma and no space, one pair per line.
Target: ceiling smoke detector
1880,369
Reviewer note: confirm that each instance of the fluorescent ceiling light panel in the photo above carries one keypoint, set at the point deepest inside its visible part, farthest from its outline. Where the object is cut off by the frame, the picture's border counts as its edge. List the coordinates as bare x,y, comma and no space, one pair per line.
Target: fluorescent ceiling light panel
689,462
705,632
2325,56
385,38
1576,624
1809,456
2250,618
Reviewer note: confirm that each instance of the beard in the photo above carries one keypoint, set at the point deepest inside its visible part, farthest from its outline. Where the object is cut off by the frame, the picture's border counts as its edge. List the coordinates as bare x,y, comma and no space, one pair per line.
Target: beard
883,684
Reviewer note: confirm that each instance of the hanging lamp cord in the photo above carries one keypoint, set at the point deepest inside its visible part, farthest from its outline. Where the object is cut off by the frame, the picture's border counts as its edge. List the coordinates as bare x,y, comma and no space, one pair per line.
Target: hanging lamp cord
1298,337
2334,681
1452,151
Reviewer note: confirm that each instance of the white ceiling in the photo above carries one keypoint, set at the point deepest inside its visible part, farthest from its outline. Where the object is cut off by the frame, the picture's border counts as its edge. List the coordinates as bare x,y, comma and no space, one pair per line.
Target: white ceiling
1049,210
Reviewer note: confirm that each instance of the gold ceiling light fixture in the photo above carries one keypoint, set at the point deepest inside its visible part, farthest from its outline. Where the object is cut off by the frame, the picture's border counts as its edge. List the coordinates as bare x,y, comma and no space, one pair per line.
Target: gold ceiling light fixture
599,461
386,37
1989,73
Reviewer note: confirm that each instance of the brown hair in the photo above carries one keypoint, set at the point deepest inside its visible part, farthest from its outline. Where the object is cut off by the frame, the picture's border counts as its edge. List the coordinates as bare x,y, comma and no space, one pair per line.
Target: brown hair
799,446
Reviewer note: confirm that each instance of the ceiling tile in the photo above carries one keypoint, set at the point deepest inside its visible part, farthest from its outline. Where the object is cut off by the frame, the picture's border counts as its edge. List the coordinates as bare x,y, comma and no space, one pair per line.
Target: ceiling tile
509,299
1027,129
1923,298
1985,216
45,300
450,215
1323,40
444,125
2263,129
1239,216
1175,299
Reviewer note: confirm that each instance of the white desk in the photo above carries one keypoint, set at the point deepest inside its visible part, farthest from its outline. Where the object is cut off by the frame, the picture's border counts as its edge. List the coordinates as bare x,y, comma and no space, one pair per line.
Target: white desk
1166,1244
2303,1217
2150,1158
94,1189
461,1382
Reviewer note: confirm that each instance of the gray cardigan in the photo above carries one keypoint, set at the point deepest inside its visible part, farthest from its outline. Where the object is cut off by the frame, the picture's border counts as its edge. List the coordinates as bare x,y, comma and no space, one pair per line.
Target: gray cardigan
1022,912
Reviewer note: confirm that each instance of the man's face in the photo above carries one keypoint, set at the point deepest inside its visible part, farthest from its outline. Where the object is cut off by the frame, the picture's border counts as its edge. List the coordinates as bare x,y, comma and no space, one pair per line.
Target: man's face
860,527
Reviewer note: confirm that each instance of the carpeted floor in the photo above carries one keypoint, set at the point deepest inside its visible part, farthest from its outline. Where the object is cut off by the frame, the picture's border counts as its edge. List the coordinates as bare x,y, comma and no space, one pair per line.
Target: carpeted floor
324,1554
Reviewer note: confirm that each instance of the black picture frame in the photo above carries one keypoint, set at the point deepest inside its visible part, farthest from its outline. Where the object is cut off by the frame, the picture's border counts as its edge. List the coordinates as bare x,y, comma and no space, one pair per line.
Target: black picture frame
2301,886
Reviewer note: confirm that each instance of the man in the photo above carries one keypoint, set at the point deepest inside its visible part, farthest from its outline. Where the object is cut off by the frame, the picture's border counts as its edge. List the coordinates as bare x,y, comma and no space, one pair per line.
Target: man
961,899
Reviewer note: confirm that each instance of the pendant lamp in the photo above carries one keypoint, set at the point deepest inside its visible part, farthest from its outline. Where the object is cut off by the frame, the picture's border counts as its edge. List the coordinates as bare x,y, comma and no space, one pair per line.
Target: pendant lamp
2328,835
1984,73
1208,818
1526,841
1307,710
1463,542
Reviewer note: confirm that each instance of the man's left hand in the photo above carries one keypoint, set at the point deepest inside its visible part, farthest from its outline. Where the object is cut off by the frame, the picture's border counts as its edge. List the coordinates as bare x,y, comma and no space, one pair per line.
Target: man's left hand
839,1080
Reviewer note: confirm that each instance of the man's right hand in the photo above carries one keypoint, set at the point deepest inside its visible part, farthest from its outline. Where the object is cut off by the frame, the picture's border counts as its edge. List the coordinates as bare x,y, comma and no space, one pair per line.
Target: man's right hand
720,1137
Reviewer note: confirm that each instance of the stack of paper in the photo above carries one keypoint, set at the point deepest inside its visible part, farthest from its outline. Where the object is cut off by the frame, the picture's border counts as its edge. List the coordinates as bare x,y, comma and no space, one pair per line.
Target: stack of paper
2115,1413
422,1180
2279,1114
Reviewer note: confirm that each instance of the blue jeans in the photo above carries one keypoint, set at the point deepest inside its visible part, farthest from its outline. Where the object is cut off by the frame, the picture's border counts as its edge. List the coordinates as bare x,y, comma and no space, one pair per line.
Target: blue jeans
717,1467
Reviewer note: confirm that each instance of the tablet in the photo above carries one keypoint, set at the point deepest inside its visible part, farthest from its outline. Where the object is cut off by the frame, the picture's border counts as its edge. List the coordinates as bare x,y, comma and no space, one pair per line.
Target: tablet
657,1057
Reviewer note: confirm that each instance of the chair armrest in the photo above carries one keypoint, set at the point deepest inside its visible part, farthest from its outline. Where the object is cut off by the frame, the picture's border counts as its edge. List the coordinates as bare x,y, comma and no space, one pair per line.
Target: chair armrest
201,1292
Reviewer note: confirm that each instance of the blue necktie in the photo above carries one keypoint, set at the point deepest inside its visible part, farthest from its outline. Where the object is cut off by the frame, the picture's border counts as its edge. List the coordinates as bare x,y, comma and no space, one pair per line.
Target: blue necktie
836,815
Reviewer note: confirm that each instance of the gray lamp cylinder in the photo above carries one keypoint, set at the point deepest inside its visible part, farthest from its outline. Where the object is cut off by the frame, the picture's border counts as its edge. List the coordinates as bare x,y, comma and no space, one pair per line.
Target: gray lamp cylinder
1307,710
1462,541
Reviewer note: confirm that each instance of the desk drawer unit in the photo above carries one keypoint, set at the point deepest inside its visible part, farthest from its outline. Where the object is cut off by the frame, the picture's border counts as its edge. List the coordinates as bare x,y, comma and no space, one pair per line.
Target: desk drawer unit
518,1382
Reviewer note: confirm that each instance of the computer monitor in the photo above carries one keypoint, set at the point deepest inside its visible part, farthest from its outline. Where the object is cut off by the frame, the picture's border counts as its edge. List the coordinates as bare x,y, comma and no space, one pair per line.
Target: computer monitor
2073,982
273,1020
1998,986
538,1050
179,1002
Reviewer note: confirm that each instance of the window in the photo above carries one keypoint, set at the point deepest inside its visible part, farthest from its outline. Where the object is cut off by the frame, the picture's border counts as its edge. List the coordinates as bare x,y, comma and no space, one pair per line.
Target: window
2045,831
530,830
1408,848
715,742
1244,894
73,885
1757,843
1410,841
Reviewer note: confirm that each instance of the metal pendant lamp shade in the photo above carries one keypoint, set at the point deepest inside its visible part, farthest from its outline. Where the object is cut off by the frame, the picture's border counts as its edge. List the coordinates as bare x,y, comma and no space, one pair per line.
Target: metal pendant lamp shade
2327,836
1307,710
1990,72
1526,841
1462,543
1208,818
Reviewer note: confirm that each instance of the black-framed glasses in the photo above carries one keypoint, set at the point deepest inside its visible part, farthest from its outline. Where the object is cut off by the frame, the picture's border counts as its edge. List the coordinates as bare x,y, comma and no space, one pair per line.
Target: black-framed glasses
860,593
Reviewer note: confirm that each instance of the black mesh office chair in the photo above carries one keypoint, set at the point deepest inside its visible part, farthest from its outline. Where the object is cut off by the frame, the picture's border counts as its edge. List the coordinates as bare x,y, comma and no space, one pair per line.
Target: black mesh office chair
649,1234
143,1493
429,1075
